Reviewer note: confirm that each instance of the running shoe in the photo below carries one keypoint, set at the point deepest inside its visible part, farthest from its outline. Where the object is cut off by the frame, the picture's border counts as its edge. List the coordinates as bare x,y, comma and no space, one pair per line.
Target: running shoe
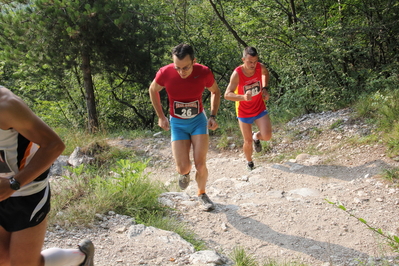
184,181
87,247
207,204
250,166
257,144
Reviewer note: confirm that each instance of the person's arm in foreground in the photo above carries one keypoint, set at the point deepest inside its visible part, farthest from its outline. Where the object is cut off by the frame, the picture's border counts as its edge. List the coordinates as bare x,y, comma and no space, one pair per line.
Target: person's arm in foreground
14,113
154,90
215,103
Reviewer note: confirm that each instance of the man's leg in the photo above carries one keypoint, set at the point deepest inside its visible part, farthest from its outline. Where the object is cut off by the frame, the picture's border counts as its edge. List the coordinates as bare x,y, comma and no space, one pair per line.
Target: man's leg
246,130
200,150
4,247
265,128
82,256
25,245
181,153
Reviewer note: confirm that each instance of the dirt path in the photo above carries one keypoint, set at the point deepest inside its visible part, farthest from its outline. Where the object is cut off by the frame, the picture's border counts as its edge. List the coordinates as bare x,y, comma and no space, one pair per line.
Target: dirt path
278,210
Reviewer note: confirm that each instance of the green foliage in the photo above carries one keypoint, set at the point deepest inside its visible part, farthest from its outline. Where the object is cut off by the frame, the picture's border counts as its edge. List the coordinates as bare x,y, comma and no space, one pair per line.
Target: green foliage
241,258
391,175
115,181
131,192
391,239
228,131
337,124
321,56
126,190
393,142
68,191
382,107
72,43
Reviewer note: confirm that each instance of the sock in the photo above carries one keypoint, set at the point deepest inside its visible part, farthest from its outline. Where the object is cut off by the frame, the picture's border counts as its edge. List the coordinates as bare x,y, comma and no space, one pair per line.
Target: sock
201,192
254,136
62,257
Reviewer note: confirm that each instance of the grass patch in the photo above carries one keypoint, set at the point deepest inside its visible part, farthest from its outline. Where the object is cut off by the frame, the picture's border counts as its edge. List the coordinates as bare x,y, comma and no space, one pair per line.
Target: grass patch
125,190
114,181
392,175
241,258
392,140
171,223
337,124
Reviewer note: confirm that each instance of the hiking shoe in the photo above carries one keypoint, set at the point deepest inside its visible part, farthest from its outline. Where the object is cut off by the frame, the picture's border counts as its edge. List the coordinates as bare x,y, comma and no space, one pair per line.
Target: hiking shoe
207,204
87,247
257,144
250,166
184,181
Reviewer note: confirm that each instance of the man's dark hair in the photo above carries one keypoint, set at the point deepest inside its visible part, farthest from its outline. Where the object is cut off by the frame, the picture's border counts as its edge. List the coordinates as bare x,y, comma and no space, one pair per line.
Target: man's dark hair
182,50
249,50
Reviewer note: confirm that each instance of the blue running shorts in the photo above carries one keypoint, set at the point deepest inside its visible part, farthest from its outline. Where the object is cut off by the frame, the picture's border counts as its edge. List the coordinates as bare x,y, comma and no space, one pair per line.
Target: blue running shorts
18,213
182,129
251,120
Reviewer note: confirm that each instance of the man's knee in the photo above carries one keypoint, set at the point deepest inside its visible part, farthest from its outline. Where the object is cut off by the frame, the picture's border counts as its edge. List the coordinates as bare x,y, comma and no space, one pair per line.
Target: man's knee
183,168
266,137
248,142
200,166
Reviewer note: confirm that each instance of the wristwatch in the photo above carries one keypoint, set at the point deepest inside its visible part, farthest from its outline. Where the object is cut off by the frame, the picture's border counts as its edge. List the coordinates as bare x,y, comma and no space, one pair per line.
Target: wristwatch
14,184
213,116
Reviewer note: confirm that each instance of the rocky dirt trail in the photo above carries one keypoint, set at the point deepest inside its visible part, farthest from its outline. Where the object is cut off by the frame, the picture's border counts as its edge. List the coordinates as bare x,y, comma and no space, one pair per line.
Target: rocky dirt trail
279,210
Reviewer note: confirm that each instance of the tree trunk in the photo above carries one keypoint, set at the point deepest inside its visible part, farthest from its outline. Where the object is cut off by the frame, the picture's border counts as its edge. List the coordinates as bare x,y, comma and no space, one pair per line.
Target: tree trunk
90,97
293,12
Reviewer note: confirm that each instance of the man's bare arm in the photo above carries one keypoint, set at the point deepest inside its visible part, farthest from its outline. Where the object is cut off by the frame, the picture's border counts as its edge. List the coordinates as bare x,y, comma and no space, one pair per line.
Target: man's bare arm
230,94
154,90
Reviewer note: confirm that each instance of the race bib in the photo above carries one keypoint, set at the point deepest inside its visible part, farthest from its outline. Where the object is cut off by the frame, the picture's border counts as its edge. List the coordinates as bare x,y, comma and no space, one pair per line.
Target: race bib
186,110
254,87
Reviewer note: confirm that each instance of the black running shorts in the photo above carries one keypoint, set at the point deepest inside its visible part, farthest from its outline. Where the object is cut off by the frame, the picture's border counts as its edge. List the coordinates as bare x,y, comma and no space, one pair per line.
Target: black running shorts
18,213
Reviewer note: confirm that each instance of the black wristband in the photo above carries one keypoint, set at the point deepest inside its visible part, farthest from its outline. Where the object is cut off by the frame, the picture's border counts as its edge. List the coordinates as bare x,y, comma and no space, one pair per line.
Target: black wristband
212,116
265,88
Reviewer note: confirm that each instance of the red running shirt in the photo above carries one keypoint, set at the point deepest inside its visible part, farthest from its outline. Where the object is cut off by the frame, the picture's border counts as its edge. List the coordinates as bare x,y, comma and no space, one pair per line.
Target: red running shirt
185,95
255,106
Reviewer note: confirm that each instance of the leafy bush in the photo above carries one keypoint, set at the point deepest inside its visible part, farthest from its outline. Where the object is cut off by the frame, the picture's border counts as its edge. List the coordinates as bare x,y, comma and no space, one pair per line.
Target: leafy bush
126,190
382,109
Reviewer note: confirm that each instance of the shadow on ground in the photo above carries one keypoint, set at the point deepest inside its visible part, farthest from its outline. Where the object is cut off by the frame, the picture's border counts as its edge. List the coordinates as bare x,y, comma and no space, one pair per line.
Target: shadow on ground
322,251
335,171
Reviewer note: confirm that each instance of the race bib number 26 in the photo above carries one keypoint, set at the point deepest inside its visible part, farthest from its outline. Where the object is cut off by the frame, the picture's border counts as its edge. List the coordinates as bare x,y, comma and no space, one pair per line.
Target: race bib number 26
186,110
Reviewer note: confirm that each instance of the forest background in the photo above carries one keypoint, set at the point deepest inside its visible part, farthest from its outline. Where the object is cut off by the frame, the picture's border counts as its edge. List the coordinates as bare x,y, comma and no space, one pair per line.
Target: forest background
85,67
88,64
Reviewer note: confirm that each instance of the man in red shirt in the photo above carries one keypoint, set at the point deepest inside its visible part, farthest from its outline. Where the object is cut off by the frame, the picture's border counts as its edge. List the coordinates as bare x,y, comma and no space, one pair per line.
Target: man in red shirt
248,88
184,81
